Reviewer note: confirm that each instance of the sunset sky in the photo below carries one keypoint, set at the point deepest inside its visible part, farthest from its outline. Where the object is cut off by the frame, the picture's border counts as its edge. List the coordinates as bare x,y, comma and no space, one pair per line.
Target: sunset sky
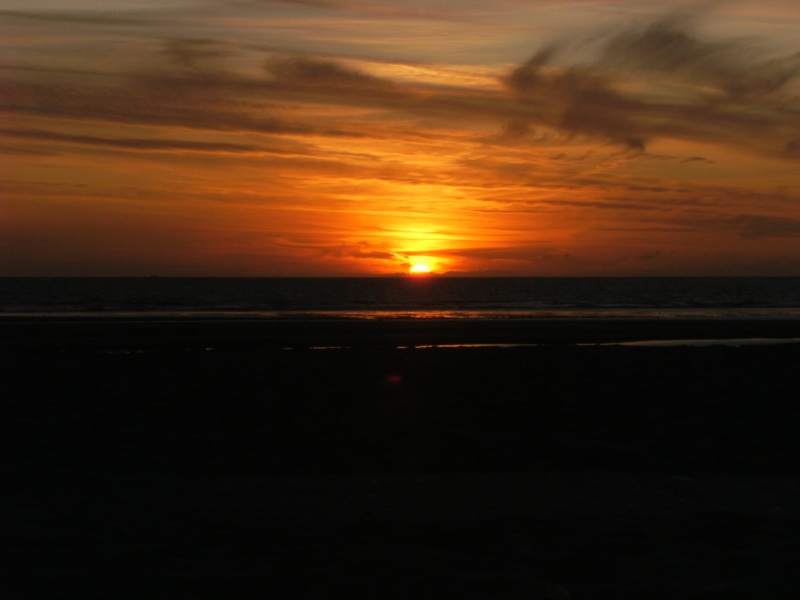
366,137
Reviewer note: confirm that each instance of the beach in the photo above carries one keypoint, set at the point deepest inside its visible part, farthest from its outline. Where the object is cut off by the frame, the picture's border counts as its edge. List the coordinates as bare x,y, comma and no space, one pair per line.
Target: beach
546,471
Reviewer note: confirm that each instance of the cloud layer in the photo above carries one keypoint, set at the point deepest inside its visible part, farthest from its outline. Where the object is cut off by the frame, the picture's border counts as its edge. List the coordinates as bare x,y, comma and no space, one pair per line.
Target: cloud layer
643,146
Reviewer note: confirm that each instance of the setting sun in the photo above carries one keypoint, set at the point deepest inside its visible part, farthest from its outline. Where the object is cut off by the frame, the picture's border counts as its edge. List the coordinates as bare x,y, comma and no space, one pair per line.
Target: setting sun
419,269
370,141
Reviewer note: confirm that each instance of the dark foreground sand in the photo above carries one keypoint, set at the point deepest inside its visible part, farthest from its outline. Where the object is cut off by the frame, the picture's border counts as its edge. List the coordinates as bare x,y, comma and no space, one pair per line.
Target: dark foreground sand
526,472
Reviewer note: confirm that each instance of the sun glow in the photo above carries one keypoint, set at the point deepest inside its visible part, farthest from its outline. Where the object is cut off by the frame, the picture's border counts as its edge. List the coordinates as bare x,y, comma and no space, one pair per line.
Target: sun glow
419,269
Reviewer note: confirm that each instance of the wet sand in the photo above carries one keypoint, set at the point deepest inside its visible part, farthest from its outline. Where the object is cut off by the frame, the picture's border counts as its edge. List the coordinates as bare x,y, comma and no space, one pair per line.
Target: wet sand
522,472
158,332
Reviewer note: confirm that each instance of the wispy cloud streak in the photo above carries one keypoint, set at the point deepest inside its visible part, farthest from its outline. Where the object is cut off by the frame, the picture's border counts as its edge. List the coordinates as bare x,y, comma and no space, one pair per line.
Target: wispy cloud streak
663,80
647,142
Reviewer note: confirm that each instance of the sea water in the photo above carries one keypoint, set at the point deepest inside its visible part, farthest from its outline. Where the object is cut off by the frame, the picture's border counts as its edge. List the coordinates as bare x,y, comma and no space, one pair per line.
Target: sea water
403,297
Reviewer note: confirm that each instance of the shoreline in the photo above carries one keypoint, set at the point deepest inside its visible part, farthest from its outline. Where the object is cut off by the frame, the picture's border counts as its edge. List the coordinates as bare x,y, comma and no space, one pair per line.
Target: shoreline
143,332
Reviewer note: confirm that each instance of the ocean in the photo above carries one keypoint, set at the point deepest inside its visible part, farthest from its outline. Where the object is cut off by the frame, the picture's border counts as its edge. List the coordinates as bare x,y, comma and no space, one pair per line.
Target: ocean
402,297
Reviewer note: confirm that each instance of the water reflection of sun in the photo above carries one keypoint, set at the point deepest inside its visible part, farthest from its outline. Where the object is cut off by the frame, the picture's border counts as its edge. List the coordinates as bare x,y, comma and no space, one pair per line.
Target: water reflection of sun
419,269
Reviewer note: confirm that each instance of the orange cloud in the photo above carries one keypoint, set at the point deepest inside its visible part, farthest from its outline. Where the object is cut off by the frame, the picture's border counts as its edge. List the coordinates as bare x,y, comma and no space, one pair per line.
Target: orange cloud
642,149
